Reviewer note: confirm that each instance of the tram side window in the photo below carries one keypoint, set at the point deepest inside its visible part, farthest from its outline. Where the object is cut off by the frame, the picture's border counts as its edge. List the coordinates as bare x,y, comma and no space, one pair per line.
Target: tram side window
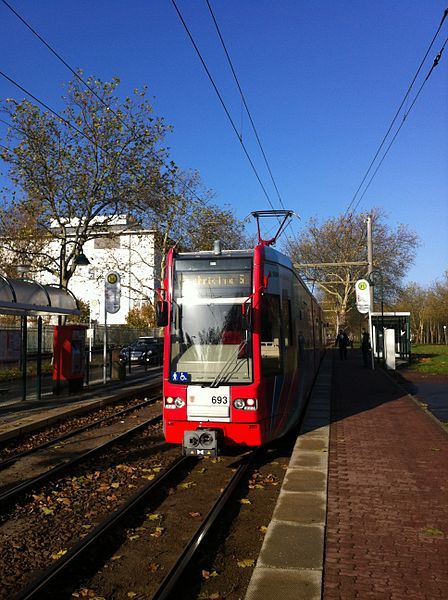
270,335
286,321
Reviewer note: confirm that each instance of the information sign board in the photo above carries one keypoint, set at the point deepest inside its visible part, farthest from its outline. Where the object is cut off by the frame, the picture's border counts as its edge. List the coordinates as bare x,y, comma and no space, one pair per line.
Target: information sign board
112,292
362,289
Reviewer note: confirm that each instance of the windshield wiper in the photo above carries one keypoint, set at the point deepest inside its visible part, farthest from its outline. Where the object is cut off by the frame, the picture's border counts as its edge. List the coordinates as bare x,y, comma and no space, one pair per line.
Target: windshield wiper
225,373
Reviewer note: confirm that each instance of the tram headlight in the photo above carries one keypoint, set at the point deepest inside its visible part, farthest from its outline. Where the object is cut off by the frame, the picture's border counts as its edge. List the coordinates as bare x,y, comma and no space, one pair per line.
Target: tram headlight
171,402
245,404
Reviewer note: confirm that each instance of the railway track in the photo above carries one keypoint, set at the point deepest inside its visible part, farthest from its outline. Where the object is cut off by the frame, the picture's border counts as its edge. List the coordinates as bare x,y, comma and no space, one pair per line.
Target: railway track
83,412
74,432
11,495
75,560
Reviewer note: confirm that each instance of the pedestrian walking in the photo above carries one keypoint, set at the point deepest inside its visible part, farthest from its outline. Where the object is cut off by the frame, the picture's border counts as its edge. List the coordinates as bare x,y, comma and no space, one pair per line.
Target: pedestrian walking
342,341
365,347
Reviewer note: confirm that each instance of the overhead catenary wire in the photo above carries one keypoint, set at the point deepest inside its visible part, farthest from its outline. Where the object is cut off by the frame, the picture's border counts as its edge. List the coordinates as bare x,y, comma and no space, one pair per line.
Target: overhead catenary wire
223,104
405,115
383,141
243,99
345,225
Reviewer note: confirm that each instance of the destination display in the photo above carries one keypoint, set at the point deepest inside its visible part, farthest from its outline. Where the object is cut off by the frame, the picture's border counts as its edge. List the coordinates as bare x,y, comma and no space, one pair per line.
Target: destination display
237,283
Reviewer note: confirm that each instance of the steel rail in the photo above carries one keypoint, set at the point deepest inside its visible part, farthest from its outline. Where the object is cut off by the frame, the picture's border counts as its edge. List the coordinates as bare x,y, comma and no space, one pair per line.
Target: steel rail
7,497
37,587
168,584
12,459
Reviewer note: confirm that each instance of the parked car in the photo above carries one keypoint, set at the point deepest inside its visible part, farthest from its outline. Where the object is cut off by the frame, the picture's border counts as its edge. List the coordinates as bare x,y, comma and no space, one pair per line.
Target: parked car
144,350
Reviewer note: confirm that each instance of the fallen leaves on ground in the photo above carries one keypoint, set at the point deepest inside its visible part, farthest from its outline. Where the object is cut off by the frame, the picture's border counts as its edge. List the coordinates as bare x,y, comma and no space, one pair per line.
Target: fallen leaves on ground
208,574
247,562
432,532
187,485
158,532
60,554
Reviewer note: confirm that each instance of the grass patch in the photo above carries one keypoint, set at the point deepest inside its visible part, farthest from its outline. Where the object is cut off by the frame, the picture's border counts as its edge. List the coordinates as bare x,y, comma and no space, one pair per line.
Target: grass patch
430,359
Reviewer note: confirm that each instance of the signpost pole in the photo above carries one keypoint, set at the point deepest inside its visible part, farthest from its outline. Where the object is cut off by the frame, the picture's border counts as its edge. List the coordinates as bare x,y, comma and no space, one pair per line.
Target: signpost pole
364,306
112,294
105,340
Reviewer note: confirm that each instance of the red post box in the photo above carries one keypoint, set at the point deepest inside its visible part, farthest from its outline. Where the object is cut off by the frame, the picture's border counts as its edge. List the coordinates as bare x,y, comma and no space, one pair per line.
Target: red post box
68,358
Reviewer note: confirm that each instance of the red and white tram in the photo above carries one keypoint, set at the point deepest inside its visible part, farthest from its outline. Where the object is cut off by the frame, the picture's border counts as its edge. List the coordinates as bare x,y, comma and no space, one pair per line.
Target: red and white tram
243,342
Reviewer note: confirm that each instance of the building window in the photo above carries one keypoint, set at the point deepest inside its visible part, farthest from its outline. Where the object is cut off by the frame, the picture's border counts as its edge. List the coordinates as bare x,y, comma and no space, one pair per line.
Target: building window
107,243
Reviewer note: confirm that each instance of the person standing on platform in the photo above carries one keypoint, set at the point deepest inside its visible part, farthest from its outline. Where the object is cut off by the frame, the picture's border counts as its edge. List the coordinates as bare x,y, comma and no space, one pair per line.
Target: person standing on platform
365,347
342,341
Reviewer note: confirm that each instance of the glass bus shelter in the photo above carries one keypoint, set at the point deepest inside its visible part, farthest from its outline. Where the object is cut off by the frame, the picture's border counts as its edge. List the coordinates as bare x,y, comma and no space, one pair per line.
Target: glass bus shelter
400,322
25,298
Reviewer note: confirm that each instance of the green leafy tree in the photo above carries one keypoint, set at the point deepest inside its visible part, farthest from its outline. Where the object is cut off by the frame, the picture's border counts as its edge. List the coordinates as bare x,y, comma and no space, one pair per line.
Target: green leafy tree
429,310
101,166
84,317
141,317
187,218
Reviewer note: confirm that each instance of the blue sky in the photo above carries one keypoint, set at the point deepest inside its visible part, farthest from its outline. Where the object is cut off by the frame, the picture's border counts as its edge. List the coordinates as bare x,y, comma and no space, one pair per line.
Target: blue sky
322,79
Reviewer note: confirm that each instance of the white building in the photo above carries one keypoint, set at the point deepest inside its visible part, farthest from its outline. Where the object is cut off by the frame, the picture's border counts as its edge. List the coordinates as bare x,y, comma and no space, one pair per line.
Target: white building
126,249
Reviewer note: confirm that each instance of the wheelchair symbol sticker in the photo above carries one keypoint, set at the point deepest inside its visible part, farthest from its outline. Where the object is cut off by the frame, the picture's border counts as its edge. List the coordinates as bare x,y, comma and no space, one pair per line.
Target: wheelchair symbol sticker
180,377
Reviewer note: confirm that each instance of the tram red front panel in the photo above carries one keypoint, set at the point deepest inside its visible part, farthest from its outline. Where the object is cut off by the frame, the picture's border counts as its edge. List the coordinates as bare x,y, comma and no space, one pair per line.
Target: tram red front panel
246,427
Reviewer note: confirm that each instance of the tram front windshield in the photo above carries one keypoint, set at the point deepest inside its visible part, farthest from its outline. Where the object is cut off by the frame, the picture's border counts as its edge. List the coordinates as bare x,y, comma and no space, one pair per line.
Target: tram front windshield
210,338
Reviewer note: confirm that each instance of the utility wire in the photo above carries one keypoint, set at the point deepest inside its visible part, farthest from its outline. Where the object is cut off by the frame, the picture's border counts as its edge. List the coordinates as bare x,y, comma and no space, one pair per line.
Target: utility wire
179,14
405,115
89,87
69,124
11,126
344,226
445,14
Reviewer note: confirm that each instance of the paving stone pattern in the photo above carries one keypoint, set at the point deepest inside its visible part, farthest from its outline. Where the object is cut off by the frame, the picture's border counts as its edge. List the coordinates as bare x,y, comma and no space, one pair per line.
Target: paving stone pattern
387,519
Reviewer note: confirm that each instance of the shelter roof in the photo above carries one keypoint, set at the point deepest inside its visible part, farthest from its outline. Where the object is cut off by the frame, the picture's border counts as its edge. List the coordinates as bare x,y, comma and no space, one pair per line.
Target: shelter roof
28,297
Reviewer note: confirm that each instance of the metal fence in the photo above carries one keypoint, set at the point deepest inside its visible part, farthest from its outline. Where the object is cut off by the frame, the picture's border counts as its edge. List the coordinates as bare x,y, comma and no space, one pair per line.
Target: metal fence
117,335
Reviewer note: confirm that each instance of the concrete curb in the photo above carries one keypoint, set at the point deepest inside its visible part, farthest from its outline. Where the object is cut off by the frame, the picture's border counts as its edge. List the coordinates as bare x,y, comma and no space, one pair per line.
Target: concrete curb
290,564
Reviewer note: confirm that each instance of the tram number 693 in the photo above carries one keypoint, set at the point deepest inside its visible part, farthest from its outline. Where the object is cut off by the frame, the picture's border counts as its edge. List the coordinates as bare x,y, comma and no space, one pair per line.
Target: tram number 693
220,400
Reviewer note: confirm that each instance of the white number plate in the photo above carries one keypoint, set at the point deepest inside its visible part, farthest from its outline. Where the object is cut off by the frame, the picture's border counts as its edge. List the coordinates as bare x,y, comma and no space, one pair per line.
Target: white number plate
208,404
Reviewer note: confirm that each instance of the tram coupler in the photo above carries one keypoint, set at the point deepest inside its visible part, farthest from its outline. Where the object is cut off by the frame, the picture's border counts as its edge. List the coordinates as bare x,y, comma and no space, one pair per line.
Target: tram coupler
200,442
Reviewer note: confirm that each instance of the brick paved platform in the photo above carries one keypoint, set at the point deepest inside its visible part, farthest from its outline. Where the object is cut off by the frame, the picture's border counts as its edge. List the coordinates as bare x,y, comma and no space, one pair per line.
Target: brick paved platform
387,513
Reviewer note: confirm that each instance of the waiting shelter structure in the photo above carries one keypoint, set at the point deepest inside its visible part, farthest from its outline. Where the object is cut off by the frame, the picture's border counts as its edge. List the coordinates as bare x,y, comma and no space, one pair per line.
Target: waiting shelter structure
25,298
397,327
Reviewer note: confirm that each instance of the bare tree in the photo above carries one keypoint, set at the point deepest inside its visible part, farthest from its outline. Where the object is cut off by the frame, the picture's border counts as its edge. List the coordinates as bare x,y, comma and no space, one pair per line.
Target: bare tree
342,240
